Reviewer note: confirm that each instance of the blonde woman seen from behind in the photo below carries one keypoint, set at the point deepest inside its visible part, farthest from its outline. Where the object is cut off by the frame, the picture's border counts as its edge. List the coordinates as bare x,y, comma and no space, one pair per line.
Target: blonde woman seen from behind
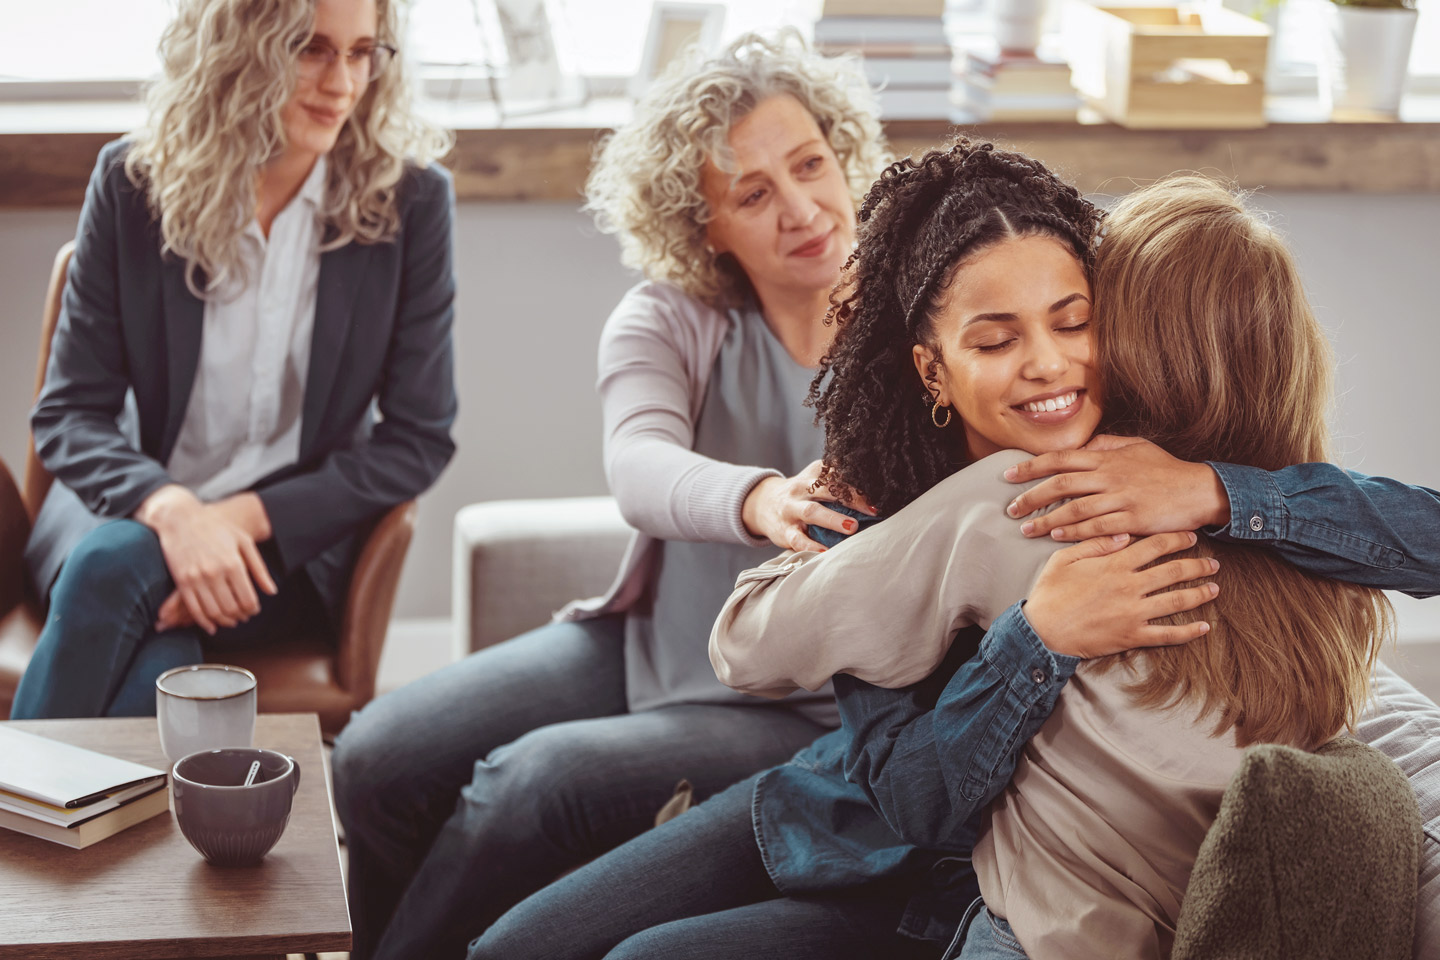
260,265
734,191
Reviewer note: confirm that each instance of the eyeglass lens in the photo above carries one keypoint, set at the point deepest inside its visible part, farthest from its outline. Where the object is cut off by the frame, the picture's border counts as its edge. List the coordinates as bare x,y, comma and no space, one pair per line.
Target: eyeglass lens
364,63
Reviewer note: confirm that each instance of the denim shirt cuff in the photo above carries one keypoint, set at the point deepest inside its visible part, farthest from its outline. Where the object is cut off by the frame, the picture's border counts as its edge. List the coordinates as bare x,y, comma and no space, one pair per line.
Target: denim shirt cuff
1014,649
1257,507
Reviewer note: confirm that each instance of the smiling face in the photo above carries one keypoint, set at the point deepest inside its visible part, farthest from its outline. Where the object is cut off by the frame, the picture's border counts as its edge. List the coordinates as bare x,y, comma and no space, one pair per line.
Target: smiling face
786,214
323,100
1016,349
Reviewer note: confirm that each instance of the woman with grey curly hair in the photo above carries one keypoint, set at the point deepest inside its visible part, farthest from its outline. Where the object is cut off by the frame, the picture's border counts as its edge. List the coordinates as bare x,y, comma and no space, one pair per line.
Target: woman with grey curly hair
216,280
734,191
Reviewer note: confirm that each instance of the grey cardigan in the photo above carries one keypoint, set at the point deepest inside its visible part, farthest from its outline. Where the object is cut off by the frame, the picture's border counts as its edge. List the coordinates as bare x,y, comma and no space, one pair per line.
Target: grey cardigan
656,353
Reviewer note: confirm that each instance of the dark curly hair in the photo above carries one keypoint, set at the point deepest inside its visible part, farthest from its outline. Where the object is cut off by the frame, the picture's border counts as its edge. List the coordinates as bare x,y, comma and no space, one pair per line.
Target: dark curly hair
920,221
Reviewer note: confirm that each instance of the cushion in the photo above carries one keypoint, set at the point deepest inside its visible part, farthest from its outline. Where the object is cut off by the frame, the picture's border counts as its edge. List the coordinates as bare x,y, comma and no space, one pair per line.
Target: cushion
1404,724
1313,856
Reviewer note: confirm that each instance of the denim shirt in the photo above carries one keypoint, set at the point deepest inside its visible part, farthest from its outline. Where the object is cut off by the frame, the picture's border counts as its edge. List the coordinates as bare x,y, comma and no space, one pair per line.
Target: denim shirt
897,791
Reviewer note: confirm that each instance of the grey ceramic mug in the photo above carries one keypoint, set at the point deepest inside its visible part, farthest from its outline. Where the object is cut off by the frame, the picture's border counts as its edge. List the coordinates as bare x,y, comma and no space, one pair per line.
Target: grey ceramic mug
229,823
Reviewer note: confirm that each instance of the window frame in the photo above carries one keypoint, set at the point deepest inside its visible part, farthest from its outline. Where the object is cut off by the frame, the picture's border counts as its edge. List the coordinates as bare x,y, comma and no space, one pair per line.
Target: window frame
468,83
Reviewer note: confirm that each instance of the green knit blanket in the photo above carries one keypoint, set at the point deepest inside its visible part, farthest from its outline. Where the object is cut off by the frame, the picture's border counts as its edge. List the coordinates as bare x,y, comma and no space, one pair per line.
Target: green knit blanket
1313,856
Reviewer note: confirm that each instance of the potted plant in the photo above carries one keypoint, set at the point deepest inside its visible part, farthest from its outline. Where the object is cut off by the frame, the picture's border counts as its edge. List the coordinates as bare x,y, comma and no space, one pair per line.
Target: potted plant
1368,55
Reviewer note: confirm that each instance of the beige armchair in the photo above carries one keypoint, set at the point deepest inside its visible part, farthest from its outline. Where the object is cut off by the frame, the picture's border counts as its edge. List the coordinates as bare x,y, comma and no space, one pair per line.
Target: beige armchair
518,561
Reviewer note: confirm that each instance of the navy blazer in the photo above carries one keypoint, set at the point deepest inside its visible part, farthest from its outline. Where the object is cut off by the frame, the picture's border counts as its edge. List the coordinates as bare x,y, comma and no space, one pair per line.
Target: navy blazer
123,362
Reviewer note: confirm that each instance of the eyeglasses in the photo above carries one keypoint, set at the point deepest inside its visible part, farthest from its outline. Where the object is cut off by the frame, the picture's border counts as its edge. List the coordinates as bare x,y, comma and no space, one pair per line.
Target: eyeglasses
364,63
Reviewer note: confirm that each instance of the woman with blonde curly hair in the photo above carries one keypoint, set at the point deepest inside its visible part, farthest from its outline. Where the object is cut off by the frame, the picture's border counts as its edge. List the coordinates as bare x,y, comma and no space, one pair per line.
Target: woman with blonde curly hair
256,266
734,191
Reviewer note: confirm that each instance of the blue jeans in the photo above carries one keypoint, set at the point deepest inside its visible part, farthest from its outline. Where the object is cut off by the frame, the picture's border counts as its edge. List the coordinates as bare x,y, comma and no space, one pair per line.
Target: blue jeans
99,655
470,789
984,936
695,888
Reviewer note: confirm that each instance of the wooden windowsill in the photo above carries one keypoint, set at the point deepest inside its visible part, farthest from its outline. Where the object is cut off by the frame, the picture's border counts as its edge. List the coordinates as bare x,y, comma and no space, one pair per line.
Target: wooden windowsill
47,150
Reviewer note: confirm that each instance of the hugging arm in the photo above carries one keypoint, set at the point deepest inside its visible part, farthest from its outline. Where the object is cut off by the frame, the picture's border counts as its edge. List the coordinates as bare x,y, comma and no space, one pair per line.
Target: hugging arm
1338,523
883,605
927,771
927,768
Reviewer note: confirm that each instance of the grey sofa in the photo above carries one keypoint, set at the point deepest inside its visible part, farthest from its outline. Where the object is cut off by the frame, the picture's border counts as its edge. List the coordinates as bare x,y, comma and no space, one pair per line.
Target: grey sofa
518,561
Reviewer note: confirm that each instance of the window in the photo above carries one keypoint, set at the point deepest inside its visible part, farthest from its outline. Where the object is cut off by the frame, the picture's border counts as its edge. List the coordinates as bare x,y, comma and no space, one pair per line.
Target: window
44,56
41,43
602,39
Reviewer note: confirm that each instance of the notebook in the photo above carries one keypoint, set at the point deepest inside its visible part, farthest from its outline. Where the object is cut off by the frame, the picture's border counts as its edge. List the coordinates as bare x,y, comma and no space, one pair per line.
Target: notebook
38,768
96,826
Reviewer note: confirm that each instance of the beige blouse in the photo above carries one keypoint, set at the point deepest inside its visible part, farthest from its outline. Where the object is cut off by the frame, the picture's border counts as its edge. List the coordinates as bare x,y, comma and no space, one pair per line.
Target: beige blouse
799,619
1089,849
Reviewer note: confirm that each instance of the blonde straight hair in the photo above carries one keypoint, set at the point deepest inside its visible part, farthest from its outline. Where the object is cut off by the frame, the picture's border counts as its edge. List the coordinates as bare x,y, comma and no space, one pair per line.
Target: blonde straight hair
213,121
1209,348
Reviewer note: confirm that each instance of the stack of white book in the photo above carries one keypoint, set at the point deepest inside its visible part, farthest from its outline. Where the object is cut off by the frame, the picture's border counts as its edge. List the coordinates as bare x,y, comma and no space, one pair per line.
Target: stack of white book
70,795
906,51
991,84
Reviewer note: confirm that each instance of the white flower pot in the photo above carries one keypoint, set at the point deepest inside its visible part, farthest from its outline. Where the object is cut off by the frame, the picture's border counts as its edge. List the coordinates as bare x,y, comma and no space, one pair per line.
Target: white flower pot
1017,24
1367,57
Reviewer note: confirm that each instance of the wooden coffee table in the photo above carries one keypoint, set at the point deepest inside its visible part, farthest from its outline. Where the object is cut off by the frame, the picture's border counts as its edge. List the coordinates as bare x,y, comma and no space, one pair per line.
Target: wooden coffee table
145,893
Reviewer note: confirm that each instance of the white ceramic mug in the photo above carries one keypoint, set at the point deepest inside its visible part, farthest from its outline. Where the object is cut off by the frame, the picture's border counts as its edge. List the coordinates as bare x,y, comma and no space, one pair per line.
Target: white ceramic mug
204,706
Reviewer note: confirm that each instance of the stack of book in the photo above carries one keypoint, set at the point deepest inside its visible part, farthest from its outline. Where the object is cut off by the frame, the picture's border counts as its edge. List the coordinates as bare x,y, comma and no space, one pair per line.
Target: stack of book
906,51
73,796
995,85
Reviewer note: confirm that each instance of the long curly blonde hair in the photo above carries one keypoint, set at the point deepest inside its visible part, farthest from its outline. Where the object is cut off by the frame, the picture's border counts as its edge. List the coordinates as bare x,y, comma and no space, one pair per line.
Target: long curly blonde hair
213,120
645,182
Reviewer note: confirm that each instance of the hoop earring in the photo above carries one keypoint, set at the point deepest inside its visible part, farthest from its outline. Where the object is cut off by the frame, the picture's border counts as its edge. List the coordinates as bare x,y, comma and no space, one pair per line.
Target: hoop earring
935,415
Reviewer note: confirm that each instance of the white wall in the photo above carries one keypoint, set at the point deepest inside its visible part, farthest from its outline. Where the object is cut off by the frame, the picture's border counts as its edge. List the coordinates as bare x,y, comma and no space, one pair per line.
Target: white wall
537,281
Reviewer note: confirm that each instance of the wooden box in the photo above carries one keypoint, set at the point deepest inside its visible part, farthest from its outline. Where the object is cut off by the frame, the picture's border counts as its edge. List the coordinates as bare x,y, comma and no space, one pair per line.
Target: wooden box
1169,67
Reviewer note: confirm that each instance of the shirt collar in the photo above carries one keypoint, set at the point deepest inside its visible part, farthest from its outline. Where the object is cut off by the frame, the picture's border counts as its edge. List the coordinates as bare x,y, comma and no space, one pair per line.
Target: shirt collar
313,189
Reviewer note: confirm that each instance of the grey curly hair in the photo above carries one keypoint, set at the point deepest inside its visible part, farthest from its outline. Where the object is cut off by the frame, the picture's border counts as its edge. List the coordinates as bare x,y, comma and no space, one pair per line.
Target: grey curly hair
645,183
213,120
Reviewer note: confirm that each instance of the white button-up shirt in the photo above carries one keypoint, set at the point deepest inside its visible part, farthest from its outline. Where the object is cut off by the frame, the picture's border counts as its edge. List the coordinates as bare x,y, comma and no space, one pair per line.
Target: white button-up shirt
243,419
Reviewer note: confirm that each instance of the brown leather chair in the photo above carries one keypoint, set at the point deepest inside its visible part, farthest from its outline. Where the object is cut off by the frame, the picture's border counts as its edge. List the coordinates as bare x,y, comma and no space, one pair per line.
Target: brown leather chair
304,674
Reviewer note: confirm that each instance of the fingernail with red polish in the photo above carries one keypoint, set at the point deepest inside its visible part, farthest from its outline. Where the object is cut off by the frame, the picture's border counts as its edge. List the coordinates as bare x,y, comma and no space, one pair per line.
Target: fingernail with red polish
849,524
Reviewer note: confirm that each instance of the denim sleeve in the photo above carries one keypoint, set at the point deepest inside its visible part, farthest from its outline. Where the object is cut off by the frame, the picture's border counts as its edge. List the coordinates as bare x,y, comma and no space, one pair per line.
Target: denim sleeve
1337,523
928,760
829,538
